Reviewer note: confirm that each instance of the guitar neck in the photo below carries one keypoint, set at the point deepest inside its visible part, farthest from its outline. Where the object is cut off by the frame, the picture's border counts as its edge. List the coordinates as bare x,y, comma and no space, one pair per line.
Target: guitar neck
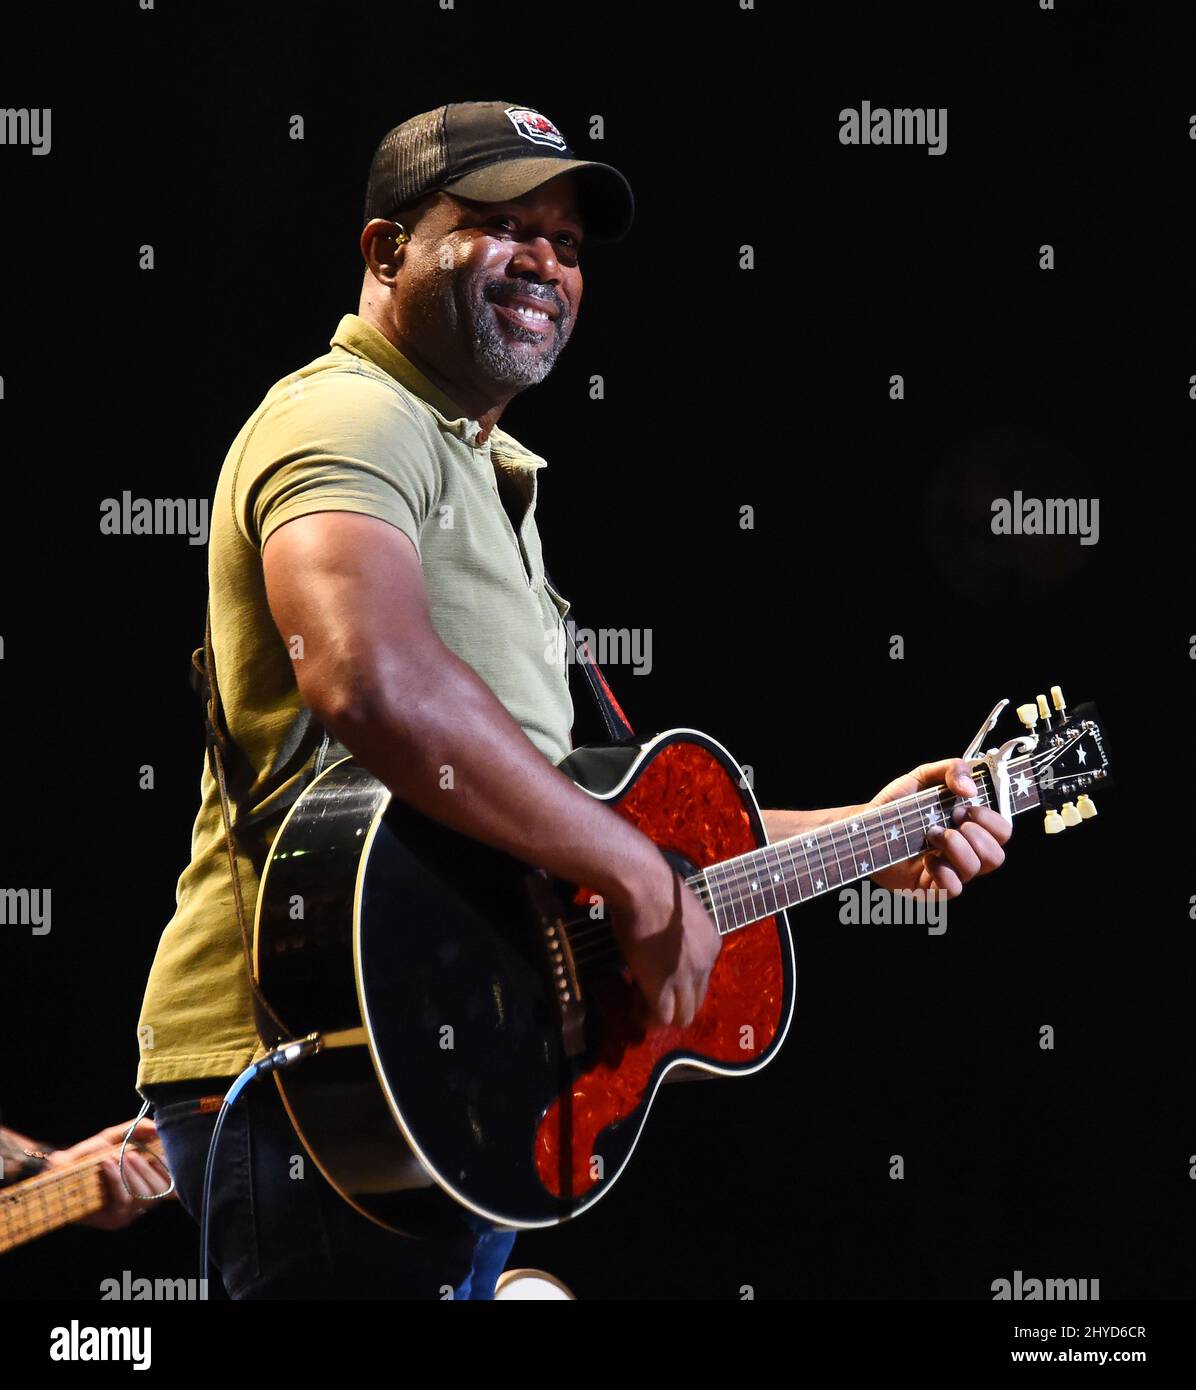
765,881
55,1198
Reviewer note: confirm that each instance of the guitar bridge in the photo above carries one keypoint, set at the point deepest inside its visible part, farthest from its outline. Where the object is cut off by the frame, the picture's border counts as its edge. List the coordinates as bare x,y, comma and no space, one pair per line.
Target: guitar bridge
564,980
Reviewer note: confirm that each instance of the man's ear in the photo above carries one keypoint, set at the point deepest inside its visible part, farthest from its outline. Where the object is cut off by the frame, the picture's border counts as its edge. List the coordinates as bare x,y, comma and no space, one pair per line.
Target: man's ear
382,243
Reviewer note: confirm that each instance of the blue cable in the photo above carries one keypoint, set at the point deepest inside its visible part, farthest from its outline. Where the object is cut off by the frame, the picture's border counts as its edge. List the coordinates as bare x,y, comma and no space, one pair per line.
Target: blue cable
285,1055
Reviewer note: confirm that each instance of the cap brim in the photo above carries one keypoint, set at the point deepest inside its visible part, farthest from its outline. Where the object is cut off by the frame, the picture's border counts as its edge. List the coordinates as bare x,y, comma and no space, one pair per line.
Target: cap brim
607,203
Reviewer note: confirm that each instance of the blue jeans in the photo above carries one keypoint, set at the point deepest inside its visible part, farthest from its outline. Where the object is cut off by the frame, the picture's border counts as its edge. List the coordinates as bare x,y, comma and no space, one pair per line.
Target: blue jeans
275,1235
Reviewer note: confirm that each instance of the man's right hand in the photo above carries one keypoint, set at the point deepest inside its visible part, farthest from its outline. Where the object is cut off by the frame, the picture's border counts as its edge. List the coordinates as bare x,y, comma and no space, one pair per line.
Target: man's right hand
670,944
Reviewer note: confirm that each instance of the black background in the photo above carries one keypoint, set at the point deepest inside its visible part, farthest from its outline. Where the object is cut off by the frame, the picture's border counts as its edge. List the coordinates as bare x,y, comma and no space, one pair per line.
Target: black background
723,388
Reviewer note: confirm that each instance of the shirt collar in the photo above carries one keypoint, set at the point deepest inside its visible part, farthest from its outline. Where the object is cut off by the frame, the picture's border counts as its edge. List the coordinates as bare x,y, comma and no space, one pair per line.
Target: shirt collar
510,455
362,339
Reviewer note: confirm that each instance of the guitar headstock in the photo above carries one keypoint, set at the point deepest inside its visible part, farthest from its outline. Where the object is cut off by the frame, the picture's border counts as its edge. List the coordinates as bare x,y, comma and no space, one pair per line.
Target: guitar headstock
1070,762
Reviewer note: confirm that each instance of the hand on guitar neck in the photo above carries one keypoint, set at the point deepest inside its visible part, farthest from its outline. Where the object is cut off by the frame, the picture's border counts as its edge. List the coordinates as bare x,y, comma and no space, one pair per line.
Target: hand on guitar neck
106,1206
145,1173
969,847
670,942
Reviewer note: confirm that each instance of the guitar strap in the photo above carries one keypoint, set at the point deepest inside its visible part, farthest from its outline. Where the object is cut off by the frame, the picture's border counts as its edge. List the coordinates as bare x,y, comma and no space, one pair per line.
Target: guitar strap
218,741
306,736
617,724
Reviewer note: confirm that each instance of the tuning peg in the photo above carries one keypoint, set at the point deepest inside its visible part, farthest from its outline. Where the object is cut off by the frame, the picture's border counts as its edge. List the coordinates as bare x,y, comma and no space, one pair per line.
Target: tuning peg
1057,700
1044,711
1070,815
1085,806
1028,714
1052,823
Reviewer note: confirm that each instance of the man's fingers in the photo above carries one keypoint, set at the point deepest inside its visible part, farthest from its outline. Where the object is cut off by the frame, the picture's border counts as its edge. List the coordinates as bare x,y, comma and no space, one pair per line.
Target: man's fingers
988,851
961,855
109,1138
115,1212
666,1006
955,773
684,1014
146,1130
139,1175
83,1149
159,1174
993,821
143,1176
941,875
971,844
951,846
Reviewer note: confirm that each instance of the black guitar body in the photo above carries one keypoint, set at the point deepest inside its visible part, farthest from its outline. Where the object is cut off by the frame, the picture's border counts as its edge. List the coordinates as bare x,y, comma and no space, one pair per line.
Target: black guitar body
422,958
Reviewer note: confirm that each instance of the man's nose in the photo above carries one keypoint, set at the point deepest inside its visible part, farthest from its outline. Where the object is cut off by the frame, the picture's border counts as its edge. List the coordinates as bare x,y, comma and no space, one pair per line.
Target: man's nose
537,256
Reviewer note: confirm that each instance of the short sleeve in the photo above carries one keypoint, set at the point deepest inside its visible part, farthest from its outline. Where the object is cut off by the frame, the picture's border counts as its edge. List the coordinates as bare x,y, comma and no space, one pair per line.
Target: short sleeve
335,442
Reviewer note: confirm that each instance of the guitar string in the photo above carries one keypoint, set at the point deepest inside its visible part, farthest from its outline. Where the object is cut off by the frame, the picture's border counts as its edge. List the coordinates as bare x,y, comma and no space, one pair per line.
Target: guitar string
705,888
61,1185
587,950
58,1193
596,939
741,875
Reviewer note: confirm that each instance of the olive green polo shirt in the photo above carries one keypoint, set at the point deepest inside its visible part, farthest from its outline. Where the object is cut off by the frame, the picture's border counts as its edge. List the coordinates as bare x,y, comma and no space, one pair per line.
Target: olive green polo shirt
357,430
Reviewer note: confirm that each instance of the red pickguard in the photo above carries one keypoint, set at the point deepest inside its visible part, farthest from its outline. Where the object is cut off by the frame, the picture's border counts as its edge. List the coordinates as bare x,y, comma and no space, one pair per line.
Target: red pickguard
685,801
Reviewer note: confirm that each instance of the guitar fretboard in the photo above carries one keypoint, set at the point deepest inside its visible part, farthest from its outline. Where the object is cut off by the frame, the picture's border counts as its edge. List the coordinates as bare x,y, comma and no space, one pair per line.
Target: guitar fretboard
752,886
53,1199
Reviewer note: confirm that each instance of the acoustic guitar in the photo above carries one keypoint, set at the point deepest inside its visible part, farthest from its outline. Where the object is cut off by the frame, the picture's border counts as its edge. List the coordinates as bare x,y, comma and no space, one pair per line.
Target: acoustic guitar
478,1044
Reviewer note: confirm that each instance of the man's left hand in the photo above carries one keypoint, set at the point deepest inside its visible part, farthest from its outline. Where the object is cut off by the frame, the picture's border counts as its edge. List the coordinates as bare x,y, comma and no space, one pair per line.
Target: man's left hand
145,1174
970,846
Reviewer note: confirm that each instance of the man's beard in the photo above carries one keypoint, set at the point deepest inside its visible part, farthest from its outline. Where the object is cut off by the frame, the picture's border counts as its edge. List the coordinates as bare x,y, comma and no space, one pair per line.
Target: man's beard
494,344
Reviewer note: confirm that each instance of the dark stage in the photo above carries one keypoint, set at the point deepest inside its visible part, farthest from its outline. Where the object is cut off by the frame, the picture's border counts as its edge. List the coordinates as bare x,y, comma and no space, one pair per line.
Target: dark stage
747,334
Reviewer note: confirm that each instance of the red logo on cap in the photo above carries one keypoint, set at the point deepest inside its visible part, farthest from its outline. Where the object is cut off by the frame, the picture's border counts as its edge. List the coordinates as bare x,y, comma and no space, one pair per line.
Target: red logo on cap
536,128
